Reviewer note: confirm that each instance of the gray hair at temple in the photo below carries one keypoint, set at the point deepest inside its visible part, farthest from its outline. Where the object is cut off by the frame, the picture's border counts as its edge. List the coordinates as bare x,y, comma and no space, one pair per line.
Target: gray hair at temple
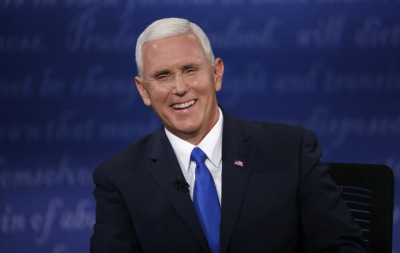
170,27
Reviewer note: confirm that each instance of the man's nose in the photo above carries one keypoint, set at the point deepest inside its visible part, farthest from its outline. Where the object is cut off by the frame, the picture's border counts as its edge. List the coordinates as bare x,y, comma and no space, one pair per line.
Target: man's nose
180,86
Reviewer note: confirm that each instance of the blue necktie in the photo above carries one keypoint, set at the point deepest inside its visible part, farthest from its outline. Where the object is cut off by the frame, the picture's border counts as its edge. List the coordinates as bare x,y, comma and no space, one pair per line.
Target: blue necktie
205,200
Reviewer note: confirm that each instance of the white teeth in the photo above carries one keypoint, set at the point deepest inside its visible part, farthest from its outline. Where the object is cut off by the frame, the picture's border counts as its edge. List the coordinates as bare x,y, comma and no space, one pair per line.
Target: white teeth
184,105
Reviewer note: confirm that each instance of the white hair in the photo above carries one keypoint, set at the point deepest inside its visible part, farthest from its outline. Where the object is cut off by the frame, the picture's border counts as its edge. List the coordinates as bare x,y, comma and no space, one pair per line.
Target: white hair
170,27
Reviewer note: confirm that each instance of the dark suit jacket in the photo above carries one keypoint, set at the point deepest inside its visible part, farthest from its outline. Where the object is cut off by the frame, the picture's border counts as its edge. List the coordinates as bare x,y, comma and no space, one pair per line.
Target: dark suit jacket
282,200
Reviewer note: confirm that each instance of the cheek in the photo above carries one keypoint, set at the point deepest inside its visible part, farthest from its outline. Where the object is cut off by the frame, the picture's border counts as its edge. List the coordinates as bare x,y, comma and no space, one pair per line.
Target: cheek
204,85
157,93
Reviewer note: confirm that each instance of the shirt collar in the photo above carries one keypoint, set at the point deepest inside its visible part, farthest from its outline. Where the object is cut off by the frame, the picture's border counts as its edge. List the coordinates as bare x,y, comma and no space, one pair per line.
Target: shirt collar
211,146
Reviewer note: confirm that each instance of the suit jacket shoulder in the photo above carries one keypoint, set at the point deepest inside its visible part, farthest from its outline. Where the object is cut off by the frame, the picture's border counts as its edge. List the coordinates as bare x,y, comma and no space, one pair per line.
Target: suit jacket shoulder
276,144
131,158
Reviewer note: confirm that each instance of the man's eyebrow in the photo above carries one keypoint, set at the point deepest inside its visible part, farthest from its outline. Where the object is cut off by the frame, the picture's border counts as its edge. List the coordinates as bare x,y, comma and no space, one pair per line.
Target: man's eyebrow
191,65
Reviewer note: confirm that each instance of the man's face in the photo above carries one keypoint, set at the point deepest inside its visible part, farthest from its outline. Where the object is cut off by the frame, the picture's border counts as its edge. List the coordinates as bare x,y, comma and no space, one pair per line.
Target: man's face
180,84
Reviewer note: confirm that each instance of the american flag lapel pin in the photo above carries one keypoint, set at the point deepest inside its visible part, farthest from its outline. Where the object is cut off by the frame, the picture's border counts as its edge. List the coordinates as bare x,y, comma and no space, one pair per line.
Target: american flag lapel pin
238,163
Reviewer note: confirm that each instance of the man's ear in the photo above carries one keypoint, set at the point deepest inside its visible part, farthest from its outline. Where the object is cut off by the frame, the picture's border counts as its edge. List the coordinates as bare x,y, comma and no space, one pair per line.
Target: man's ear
218,73
142,91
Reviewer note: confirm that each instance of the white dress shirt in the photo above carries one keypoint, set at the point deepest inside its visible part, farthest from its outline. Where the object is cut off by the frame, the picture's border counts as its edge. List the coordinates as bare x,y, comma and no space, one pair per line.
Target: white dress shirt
211,146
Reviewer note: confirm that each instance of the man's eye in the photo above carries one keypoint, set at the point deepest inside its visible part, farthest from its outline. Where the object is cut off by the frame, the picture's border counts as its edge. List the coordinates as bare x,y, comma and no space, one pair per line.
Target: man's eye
190,71
162,77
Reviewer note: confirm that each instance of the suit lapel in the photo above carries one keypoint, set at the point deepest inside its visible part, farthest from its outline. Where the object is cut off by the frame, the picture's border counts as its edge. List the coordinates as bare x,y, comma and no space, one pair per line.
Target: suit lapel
164,167
235,147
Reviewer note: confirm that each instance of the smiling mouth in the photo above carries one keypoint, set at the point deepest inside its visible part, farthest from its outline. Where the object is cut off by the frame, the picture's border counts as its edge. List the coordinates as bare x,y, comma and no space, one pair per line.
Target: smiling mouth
184,105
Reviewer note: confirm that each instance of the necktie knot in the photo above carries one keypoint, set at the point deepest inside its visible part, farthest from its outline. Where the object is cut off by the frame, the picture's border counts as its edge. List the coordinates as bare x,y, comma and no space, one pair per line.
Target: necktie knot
198,155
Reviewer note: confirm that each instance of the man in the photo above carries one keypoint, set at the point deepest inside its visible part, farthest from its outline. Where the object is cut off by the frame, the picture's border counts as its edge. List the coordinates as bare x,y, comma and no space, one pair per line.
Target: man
261,187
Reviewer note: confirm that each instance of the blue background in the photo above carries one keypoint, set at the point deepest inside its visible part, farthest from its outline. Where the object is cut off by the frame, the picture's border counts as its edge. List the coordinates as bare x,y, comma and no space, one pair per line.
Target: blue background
68,99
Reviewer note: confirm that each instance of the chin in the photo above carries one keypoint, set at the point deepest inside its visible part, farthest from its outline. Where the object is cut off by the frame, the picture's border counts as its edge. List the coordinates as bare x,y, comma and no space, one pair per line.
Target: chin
191,129
187,130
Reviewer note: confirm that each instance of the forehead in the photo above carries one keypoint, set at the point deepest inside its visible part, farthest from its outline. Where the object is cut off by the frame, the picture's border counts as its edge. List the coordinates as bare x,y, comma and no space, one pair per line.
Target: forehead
173,51
189,39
